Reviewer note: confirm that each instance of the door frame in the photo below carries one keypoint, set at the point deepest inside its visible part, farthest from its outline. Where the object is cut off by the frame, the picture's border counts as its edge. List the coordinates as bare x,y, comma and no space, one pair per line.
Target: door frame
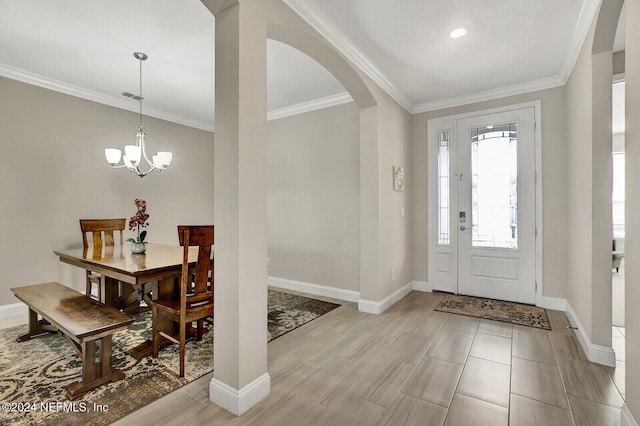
448,123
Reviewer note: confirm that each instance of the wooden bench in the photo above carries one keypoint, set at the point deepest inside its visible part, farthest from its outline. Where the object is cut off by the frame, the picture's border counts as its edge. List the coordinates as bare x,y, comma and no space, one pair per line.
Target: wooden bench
86,323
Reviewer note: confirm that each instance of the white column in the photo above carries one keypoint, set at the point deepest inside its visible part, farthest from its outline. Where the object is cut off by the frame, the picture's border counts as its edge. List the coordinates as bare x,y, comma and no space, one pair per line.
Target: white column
370,219
632,232
240,207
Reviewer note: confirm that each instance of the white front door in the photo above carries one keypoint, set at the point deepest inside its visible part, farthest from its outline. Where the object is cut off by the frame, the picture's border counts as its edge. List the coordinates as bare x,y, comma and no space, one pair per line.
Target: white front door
482,205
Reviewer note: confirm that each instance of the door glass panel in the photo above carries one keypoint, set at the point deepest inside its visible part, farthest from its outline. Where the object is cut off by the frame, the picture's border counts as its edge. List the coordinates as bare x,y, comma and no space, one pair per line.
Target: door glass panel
443,189
494,186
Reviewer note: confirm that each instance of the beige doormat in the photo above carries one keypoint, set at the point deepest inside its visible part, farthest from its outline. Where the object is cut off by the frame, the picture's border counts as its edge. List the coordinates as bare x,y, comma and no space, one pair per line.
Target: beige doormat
497,310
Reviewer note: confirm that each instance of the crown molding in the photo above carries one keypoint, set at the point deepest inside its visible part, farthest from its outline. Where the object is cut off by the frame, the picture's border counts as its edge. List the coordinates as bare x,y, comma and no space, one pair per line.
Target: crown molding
125,104
585,20
313,16
81,92
329,101
487,95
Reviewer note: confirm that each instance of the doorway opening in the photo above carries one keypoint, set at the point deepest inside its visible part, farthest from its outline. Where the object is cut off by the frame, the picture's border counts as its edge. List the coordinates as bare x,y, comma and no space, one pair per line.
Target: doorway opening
618,222
482,204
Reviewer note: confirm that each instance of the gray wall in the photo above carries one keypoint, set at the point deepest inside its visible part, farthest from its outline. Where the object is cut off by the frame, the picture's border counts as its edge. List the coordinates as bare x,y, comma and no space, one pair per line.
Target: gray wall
53,172
313,197
581,208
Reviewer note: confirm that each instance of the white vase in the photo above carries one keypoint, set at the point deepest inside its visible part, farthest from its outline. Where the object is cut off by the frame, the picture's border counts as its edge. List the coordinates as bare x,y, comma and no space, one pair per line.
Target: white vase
138,247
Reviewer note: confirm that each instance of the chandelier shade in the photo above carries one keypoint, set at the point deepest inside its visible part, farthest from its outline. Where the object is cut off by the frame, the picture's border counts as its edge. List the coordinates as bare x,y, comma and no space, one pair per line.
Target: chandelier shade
135,154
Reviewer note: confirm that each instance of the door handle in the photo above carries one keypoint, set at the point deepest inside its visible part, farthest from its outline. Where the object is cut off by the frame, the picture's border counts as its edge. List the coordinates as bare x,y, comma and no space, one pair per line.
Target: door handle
462,227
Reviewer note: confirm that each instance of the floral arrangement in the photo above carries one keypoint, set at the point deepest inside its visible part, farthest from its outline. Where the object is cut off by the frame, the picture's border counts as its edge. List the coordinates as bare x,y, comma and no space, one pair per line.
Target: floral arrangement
139,220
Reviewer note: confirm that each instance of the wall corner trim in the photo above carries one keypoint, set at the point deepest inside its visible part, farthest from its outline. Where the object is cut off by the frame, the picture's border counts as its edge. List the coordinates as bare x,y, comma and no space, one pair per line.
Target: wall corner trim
554,303
238,401
421,286
595,353
375,307
626,419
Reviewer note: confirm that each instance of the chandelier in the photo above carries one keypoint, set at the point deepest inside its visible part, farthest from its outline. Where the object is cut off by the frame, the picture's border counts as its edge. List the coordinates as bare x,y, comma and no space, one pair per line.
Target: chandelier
134,154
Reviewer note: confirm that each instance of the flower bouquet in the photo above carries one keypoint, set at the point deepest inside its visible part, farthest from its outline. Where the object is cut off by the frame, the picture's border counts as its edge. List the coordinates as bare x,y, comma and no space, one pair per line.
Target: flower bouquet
138,221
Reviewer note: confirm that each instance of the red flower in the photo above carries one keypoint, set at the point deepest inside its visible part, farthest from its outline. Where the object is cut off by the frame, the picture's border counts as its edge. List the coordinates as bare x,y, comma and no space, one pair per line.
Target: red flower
139,220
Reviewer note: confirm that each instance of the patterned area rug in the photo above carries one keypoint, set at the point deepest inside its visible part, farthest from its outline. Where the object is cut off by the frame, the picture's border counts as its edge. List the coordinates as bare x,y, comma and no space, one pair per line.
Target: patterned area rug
34,375
514,313
286,312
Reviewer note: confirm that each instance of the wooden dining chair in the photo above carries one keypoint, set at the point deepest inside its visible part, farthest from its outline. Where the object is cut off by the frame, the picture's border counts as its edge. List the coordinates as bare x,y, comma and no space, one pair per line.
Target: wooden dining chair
195,302
102,233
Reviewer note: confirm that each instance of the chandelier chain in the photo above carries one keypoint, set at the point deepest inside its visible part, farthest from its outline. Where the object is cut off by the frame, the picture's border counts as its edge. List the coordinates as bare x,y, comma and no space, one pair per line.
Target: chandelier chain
140,75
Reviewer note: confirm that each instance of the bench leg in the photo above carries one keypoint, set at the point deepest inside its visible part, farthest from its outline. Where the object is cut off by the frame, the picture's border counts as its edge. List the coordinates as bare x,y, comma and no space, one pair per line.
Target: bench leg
36,327
95,372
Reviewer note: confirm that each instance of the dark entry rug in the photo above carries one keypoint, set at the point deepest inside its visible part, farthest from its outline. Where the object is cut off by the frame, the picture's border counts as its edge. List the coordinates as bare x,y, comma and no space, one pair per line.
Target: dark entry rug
34,375
497,310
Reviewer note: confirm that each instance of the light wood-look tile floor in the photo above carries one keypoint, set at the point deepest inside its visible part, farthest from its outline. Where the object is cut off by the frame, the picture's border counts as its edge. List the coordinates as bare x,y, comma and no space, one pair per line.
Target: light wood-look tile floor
412,365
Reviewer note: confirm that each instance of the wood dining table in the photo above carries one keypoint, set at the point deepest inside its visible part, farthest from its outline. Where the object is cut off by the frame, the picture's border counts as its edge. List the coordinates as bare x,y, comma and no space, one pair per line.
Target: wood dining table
139,273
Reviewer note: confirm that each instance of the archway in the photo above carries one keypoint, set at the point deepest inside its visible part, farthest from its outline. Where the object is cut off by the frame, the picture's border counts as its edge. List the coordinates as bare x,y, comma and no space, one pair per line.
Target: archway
240,208
369,145
313,178
602,75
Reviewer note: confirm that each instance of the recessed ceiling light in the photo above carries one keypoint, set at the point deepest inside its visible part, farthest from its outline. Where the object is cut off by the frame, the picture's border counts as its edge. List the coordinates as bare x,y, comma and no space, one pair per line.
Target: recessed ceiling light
457,33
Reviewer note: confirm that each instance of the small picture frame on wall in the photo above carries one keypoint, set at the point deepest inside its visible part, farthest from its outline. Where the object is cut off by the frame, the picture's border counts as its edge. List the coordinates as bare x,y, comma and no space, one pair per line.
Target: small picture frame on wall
398,178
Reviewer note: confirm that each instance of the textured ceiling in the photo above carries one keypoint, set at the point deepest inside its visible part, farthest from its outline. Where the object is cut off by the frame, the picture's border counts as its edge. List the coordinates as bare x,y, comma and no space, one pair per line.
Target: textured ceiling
508,42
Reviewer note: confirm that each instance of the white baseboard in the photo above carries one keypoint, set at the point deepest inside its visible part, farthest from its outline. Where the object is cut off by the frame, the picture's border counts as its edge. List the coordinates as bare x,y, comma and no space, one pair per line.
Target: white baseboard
421,286
626,419
554,303
14,310
315,289
238,401
595,353
368,306
373,307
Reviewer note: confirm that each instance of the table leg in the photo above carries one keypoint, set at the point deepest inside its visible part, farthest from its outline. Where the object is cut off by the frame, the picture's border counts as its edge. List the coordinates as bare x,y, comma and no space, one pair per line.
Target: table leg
110,289
128,301
145,348
131,297
167,289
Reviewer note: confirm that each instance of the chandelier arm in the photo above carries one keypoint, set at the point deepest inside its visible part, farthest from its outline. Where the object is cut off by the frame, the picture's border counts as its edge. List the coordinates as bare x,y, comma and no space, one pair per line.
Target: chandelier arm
144,155
137,171
151,169
164,160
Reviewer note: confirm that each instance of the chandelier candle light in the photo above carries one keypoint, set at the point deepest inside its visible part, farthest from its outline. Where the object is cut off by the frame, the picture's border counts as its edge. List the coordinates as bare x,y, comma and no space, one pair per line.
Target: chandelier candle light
133,154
